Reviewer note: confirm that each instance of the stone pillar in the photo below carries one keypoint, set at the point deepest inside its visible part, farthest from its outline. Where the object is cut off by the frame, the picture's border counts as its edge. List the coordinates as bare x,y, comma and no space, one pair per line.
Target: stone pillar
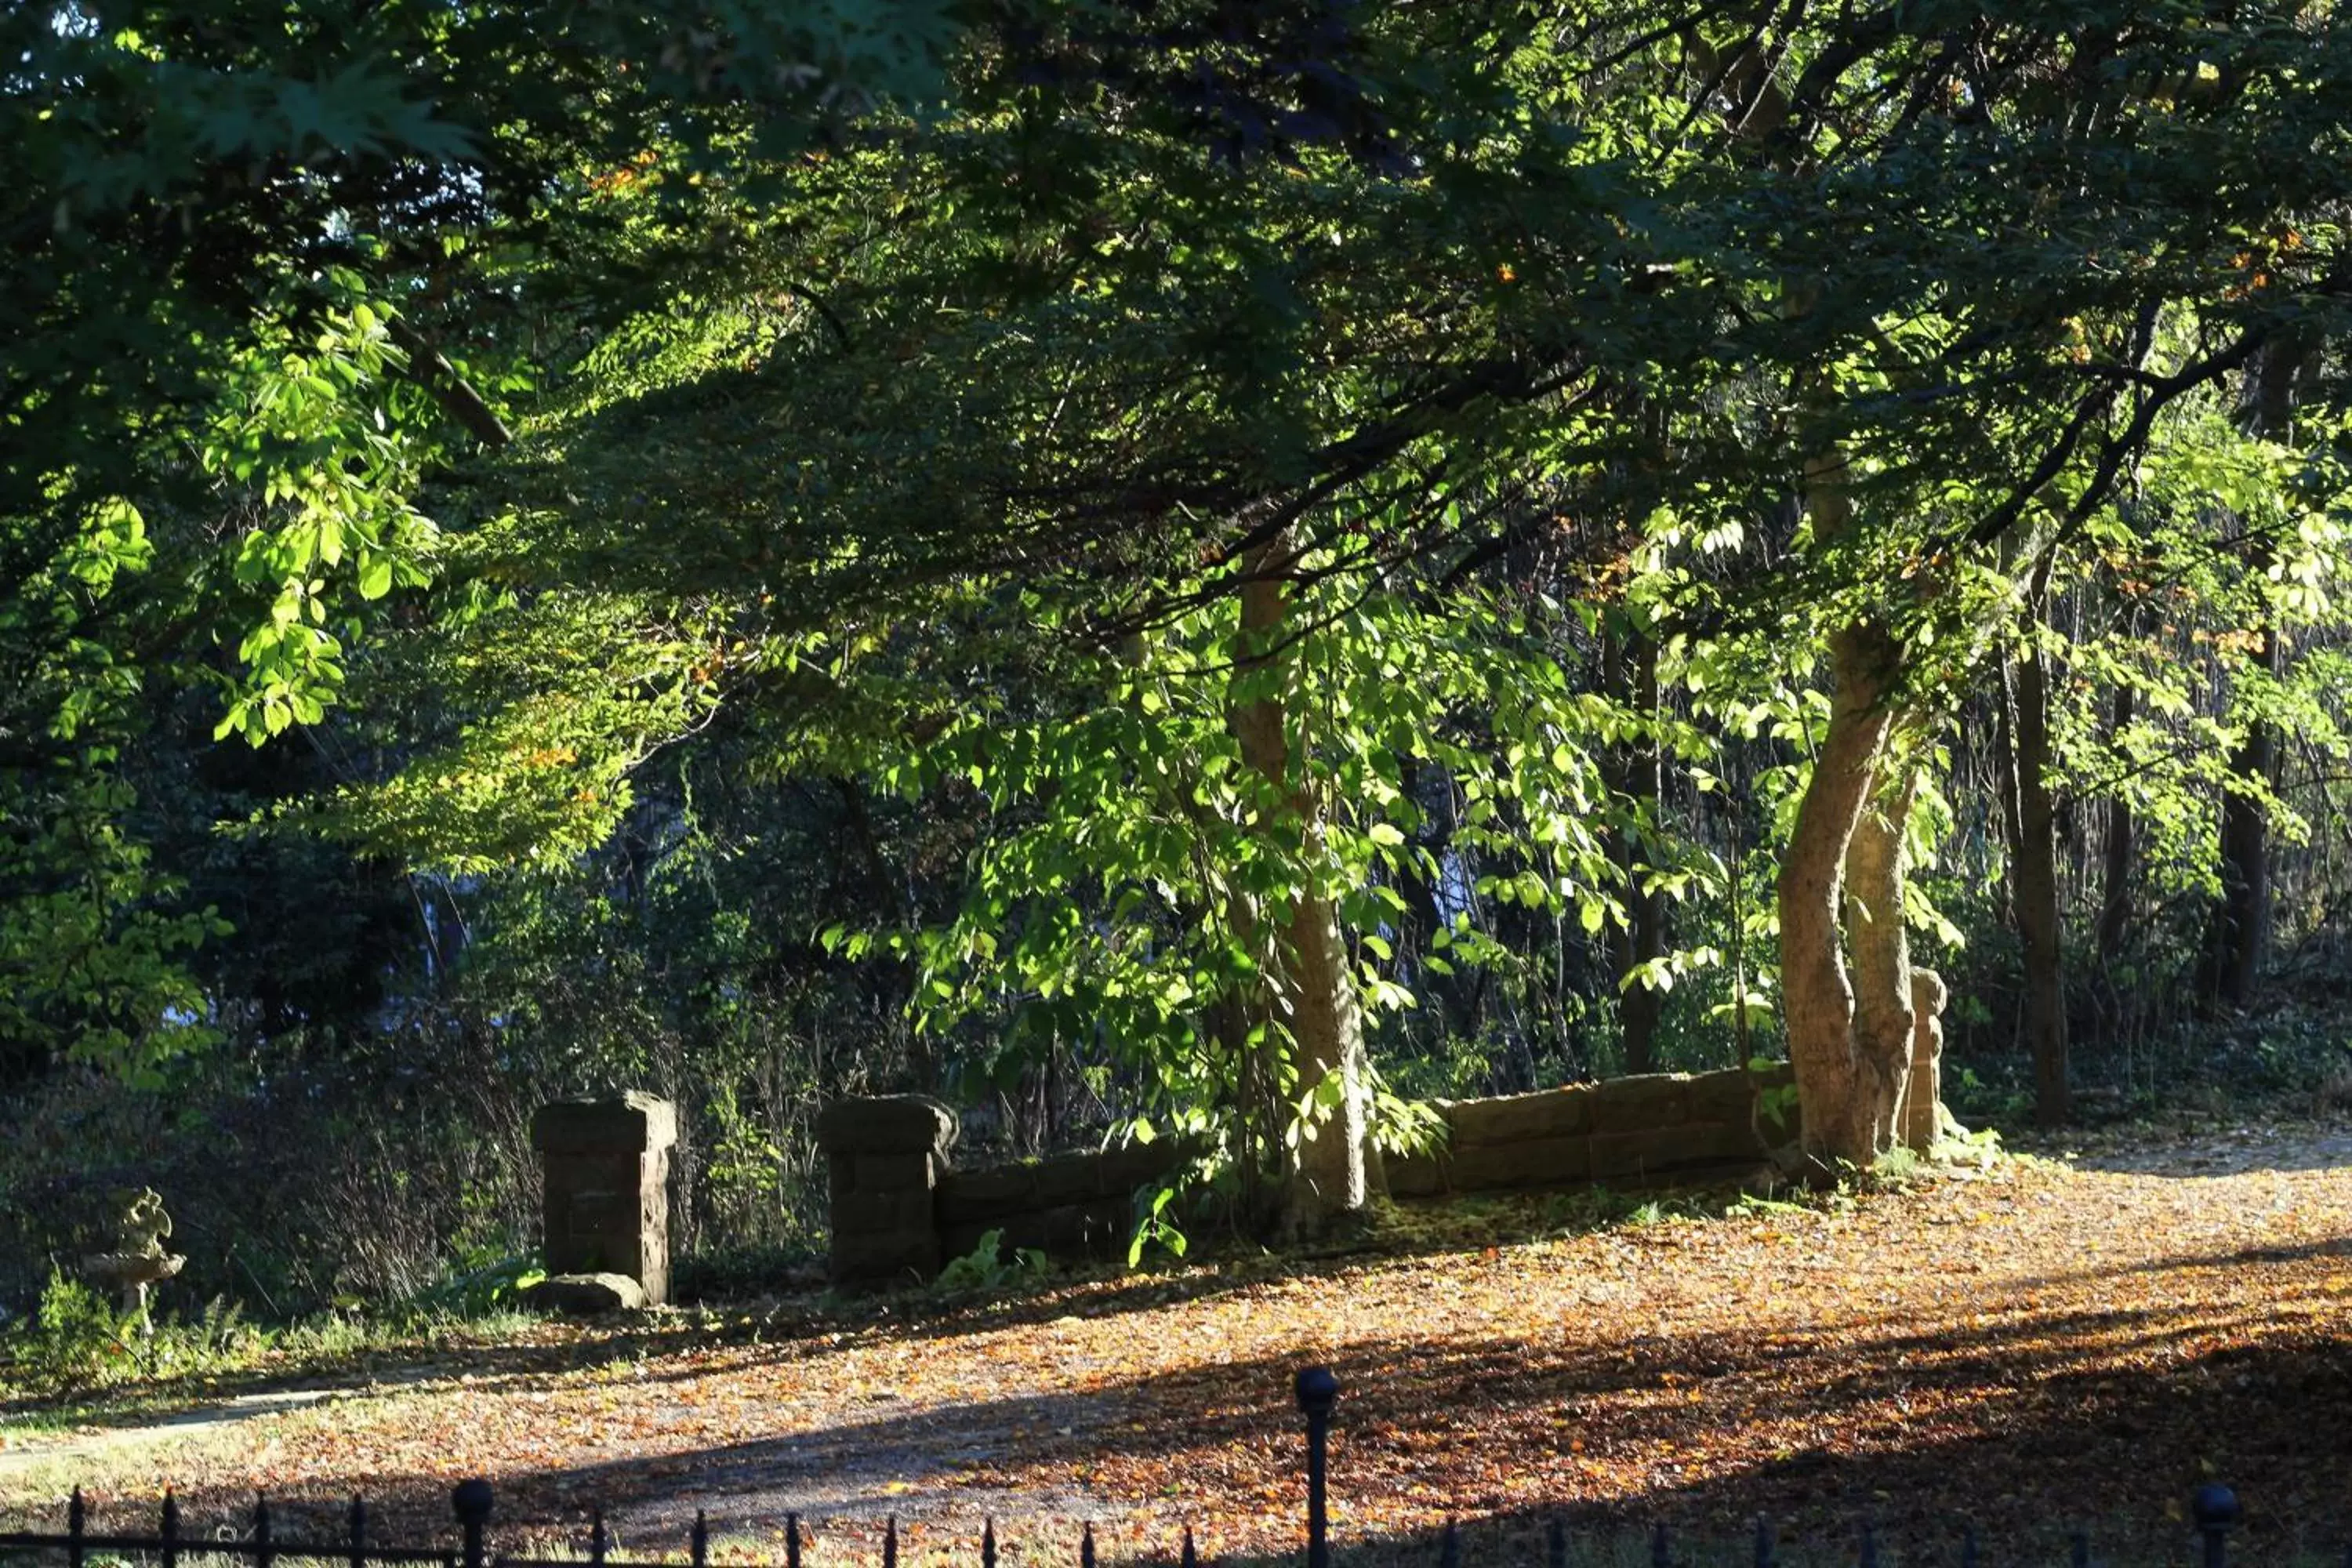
884,1158
606,1169
1923,1098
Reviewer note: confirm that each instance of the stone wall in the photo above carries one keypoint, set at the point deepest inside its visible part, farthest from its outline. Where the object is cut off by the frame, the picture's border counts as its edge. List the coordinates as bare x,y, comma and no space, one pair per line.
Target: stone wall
900,1212
1653,1129
1070,1204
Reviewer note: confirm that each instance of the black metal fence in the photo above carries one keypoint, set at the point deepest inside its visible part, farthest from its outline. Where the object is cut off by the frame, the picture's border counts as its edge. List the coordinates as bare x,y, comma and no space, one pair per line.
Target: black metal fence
2214,1512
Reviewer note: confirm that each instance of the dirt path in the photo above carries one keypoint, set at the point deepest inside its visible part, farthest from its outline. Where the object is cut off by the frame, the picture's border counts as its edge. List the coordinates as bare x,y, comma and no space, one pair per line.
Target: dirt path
2004,1345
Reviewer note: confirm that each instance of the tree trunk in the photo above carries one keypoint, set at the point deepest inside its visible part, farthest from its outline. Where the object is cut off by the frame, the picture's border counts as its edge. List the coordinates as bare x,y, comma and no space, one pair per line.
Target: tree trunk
1881,949
1634,774
1313,993
2241,926
2114,875
1817,999
2033,878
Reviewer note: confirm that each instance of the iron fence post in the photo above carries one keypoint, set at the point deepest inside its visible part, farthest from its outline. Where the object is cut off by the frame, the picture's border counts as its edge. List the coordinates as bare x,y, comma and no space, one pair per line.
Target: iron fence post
472,1501
2215,1508
792,1540
77,1525
265,1550
170,1537
1318,1391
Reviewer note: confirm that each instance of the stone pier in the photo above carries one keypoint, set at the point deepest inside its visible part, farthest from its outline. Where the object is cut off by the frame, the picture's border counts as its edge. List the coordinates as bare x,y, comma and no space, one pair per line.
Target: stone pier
884,1158
605,1164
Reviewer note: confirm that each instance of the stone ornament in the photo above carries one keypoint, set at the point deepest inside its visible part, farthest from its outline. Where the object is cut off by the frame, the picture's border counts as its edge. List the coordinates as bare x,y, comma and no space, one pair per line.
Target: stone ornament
139,1259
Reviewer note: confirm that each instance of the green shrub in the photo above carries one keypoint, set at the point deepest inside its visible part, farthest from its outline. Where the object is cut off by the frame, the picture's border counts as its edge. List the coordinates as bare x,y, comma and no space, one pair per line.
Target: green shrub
986,1269
72,1342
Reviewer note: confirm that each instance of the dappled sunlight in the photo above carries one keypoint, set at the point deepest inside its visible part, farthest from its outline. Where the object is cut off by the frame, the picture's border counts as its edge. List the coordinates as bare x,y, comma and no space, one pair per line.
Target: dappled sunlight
1909,1357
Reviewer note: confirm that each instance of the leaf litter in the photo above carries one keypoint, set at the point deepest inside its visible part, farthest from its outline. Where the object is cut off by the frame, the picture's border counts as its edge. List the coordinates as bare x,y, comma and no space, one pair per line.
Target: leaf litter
2034,1348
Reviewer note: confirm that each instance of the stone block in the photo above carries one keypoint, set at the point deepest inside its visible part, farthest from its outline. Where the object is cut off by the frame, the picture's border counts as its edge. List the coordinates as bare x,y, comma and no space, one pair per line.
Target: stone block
1529,1162
895,1172
1547,1113
1662,1153
985,1194
584,1295
887,1124
855,1212
1066,1179
1727,1096
1093,1228
633,1123
886,1257
1642,1102
1414,1175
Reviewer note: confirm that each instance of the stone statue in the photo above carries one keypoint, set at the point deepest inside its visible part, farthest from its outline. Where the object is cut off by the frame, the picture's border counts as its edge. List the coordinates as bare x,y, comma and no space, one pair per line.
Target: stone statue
138,1259
1923,1099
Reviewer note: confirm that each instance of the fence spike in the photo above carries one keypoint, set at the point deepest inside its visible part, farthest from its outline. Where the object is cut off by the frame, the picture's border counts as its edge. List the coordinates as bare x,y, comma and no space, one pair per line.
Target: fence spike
792,1540
1191,1557
170,1529
890,1543
1662,1551
1087,1546
701,1539
2079,1548
1969,1546
1556,1543
1869,1545
473,1500
263,1552
988,1542
356,1522
77,1525
600,1539
1449,1547
1763,1541
2215,1508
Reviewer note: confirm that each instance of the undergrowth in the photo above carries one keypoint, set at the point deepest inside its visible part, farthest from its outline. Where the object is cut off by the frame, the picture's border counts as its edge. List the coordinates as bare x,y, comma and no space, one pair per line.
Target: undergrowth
77,1344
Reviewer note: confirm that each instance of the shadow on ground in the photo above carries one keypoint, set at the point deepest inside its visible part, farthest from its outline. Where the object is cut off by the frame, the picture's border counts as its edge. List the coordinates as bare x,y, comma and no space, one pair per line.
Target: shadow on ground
2031,1424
